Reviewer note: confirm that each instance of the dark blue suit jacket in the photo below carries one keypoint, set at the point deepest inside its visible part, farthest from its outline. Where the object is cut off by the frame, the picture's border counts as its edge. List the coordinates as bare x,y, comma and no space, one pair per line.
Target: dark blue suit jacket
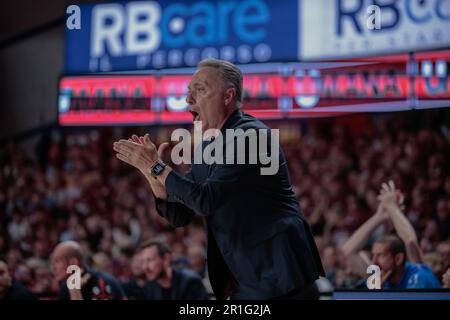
186,285
255,226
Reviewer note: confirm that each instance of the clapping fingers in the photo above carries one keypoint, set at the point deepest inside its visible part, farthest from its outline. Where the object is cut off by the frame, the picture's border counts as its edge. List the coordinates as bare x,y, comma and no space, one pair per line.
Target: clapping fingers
387,187
136,139
391,185
389,193
125,147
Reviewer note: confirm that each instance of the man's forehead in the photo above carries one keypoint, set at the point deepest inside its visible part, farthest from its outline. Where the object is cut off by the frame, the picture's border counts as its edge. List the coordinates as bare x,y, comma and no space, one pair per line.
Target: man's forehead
379,246
149,251
204,75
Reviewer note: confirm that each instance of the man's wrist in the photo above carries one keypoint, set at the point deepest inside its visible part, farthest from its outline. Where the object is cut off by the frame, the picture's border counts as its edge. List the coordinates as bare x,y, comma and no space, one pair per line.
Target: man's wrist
390,207
157,168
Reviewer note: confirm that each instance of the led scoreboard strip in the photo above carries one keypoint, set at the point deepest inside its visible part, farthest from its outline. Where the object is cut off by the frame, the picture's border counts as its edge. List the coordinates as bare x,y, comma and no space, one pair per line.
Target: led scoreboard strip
271,91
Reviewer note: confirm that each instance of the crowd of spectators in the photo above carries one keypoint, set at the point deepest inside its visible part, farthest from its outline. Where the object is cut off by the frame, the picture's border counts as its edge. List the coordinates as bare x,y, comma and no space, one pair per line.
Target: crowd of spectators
71,187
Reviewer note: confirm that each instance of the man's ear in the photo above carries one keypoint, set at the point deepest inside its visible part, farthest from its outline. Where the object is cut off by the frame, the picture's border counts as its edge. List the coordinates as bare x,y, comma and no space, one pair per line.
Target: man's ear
167,260
230,93
399,259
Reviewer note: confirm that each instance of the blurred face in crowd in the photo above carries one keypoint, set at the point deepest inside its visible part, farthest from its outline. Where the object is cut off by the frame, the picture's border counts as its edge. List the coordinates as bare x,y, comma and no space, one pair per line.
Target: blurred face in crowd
383,257
22,274
5,278
196,258
137,265
155,266
444,251
329,258
60,261
101,262
207,98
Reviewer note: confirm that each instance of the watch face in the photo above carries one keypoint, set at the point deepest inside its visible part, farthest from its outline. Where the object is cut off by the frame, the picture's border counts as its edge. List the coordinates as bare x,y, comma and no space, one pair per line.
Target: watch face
157,169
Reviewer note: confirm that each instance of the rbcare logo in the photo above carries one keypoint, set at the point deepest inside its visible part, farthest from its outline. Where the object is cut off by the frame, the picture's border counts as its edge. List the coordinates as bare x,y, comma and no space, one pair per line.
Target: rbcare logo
179,33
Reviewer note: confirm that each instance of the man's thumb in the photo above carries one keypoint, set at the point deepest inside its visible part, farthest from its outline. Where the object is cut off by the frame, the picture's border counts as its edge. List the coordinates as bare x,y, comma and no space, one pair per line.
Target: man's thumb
163,147
146,139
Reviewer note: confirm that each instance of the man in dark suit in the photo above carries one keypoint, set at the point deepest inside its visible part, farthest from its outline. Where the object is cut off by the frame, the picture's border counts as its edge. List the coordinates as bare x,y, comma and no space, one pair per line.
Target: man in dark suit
165,282
259,244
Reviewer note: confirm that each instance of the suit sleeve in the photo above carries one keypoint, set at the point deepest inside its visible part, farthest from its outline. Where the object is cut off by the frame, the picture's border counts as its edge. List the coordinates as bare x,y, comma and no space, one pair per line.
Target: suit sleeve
205,197
176,213
224,180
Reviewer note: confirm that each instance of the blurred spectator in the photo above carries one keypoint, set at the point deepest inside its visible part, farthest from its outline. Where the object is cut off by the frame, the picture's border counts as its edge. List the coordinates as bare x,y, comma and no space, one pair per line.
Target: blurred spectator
10,289
165,282
95,285
443,249
329,260
135,287
390,252
102,262
446,280
196,256
82,193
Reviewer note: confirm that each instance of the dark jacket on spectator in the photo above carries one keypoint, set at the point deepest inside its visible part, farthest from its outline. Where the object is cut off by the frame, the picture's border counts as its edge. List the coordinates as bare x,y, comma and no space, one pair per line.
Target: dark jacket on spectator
186,285
100,286
18,291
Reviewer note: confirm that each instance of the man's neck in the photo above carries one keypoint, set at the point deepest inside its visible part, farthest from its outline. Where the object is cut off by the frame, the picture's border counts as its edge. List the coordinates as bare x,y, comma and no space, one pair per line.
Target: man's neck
140,281
226,117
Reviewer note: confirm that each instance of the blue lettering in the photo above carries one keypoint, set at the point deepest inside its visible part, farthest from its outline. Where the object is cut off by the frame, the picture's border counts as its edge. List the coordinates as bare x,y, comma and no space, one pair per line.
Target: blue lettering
204,19
351,14
424,18
252,12
206,23
172,41
392,6
439,13
225,8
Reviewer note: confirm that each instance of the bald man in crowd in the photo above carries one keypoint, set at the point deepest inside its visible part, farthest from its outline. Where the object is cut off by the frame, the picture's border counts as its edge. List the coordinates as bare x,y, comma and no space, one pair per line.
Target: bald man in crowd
94,285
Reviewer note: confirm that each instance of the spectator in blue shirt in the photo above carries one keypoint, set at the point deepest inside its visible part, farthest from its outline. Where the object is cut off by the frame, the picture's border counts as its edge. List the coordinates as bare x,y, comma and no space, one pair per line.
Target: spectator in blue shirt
389,253
399,257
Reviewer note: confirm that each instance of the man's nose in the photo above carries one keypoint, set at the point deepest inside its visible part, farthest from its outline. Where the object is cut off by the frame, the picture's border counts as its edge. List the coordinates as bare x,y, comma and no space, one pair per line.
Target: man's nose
190,99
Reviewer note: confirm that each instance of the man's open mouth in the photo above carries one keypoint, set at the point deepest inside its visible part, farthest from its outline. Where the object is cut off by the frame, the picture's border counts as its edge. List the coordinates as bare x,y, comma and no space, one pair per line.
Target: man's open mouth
195,115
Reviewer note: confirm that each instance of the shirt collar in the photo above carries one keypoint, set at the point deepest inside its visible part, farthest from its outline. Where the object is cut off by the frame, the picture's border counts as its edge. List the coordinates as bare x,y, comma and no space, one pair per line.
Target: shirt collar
232,120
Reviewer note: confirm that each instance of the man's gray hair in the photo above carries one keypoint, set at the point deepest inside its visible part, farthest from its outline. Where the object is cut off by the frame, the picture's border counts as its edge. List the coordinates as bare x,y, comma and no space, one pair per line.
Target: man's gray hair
231,75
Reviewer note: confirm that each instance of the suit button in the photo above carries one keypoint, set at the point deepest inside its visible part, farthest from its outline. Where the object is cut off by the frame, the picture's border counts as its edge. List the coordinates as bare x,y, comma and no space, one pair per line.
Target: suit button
179,199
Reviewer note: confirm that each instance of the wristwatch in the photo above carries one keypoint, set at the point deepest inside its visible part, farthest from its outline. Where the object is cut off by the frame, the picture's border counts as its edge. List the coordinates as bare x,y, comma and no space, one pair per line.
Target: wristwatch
157,168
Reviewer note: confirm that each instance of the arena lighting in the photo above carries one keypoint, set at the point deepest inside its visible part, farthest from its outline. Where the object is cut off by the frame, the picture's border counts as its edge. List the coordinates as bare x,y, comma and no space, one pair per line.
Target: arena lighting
271,91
